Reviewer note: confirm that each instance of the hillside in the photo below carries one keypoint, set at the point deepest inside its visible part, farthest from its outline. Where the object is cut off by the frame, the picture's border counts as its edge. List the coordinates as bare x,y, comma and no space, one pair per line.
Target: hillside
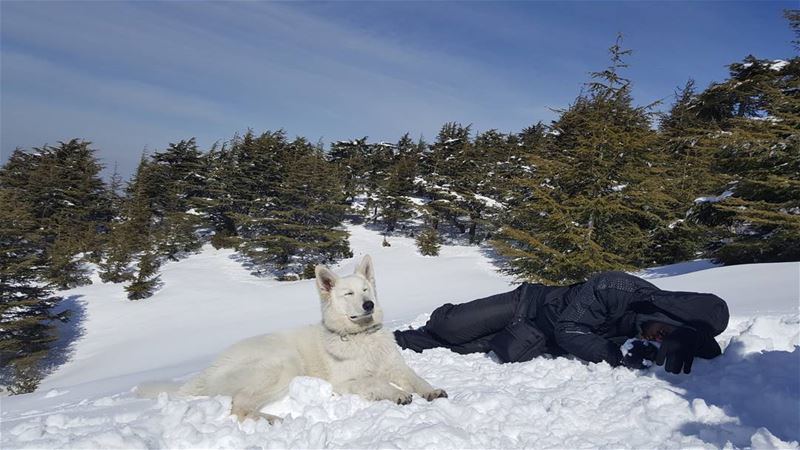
746,398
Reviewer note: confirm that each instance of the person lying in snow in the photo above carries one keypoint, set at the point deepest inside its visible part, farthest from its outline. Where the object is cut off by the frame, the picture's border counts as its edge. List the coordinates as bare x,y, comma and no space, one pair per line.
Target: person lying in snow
590,320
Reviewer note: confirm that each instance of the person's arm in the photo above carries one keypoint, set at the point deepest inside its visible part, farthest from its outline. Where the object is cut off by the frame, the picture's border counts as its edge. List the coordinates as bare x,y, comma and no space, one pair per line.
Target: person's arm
578,339
575,329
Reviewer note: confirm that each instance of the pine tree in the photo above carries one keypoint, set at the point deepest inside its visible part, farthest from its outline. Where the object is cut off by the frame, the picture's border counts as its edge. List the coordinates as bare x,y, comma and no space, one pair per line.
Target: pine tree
134,235
147,279
428,242
682,173
65,268
350,159
456,170
689,145
378,160
217,204
26,320
587,206
251,188
160,216
758,108
299,224
113,266
533,136
177,180
393,192
62,189
115,192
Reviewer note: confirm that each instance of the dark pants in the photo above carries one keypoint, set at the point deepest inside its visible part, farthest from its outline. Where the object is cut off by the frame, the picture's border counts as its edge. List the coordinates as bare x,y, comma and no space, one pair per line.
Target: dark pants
464,328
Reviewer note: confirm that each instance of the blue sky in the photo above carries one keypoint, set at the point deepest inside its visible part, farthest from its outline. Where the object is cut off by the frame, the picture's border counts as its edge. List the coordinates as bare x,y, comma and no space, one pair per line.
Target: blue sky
130,76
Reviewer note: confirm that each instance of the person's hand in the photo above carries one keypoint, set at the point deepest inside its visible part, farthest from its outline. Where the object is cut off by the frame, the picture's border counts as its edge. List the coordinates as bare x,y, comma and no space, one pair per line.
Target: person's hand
677,350
638,354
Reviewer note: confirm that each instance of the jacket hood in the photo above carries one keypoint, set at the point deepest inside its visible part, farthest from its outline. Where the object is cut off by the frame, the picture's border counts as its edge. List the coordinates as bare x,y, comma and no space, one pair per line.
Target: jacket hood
705,312
641,319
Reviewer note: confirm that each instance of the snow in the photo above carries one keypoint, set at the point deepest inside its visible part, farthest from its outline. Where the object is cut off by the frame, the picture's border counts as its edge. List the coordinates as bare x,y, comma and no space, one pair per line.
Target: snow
748,397
418,201
627,346
714,199
489,202
778,64
675,223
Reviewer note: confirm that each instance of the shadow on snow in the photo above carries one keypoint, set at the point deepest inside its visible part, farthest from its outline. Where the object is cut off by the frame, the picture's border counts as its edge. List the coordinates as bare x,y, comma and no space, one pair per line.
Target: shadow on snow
68,332
759,389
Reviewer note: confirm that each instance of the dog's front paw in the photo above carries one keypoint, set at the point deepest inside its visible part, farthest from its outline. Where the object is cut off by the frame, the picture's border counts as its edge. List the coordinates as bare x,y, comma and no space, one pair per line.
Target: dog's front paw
434,394
402,398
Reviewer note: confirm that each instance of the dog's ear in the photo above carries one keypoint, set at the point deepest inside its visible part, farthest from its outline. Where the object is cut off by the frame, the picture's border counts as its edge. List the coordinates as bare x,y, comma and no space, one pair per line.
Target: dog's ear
326,279
366,270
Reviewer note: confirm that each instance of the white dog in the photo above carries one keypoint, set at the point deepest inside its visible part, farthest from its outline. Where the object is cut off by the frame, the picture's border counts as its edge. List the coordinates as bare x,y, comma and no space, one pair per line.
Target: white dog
350,349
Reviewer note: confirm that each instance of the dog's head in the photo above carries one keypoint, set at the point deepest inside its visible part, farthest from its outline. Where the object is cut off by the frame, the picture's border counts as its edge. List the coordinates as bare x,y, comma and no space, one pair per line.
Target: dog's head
349,303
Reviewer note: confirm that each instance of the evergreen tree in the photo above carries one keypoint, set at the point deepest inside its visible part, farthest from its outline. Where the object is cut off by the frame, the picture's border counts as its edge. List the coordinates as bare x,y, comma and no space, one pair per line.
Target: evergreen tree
62,189
689,146
177,181
469,186
147,279
26,320
250,188
133,234
113,267
350,159
428,242
758,108
65,267
456,178
533,136
379,160
587,206
159,211
683,173
299,224
393,193
218,203
115,192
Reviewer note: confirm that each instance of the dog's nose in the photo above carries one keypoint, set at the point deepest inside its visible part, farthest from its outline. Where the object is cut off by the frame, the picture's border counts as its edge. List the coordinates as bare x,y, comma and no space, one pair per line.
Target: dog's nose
368,305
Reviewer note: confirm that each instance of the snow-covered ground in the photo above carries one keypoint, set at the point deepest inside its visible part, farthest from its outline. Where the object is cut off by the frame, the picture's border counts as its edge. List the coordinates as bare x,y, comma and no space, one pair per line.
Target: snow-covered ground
748,397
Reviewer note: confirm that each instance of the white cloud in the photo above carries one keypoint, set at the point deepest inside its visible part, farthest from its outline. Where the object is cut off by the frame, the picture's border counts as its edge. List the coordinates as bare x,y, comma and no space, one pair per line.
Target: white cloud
215,68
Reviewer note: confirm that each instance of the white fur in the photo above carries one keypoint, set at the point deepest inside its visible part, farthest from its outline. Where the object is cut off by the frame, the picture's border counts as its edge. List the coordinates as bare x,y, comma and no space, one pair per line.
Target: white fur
349,349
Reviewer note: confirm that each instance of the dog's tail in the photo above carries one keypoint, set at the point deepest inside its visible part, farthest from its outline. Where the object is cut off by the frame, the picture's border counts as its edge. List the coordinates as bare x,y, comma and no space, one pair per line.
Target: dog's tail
152,389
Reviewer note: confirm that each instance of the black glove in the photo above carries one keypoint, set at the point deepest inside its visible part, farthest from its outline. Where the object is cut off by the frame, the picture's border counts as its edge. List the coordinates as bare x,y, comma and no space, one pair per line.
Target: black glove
638,352
677,350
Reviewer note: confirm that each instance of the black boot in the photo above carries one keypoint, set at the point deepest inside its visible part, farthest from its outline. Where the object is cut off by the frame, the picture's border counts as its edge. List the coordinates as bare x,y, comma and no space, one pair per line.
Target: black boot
417,340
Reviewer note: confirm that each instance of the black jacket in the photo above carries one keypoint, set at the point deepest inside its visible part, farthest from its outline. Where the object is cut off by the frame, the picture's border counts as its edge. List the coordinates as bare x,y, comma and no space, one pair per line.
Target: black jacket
591,320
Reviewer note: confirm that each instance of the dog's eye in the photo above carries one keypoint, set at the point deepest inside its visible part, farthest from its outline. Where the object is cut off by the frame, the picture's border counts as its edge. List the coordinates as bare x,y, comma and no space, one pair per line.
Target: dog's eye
348,293
366,289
